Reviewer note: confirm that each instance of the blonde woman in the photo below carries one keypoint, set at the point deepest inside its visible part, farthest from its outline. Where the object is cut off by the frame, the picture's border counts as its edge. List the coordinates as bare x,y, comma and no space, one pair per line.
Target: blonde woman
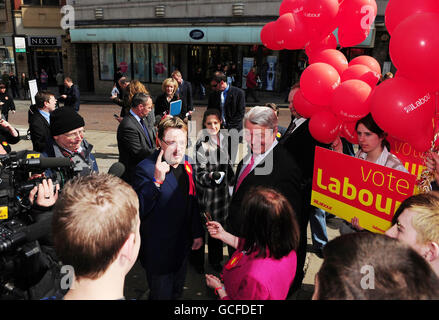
163,102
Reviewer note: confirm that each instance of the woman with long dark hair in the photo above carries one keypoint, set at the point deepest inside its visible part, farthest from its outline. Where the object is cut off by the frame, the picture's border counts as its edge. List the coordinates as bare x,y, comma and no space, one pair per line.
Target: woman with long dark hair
264,265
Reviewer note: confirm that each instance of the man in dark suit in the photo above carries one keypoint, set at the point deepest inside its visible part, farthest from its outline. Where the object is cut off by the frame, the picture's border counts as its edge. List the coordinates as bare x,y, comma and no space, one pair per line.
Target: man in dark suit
268,164
229,100
170,219
39,119
301,145
135,136
184,92
72,96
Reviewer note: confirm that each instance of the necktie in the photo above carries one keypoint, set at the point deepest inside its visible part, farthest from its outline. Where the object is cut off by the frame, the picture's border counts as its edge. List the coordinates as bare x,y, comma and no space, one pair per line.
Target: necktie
148,138
223,100
290,130
245,173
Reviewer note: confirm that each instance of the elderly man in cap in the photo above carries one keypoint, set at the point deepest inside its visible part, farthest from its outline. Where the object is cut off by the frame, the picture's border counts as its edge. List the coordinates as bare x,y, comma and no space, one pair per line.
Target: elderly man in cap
67,130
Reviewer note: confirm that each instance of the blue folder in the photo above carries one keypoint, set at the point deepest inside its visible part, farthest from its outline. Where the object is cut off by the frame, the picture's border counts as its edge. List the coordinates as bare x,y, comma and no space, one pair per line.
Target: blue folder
175,108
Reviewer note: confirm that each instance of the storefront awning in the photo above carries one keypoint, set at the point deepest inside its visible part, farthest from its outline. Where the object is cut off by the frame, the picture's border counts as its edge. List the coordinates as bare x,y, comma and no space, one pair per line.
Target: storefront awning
192,35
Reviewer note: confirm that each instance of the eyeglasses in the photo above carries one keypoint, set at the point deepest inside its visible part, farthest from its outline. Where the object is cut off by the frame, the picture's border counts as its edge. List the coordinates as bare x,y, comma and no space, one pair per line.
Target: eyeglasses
181,143
73,135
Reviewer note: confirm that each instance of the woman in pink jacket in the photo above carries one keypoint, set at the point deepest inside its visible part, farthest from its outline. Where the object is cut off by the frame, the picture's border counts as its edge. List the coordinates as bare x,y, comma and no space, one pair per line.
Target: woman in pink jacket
264,264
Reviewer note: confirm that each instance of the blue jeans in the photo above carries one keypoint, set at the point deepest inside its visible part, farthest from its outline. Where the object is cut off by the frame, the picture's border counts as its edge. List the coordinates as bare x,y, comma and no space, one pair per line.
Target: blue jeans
317,221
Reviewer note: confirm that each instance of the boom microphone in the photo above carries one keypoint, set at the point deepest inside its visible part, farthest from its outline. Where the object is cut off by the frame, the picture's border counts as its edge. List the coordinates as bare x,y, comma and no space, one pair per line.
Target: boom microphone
45,163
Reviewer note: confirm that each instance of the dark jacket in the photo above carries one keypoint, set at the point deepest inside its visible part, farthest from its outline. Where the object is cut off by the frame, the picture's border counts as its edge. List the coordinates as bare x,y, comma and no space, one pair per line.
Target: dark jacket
162,105
234,106
73,99
168,226
39,130
8,103
284,177
185,93
133,144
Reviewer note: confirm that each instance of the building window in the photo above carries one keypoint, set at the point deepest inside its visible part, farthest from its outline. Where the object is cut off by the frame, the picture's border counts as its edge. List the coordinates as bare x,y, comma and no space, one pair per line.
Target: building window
123,58
106,61
159,62
141,62
2,4
41,2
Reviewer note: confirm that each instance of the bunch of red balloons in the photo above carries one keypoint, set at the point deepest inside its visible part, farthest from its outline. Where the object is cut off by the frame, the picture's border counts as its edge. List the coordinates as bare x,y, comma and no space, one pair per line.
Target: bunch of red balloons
310,24
405,106
335,94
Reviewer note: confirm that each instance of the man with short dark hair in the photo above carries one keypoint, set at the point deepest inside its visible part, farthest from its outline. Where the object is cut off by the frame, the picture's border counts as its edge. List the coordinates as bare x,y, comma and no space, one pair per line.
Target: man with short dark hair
72,96
229,100
39,121
135,136
171,221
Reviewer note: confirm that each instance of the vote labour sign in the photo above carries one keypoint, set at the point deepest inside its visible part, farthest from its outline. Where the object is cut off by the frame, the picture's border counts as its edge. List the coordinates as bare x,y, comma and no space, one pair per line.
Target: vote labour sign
412,159
350,187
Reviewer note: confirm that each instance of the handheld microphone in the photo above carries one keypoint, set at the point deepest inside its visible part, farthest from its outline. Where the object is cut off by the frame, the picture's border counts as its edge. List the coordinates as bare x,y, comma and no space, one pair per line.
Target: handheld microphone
117,169
216,175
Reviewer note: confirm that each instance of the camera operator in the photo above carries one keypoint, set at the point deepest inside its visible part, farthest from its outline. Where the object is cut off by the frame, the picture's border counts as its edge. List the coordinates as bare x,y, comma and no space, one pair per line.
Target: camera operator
8,135
67,130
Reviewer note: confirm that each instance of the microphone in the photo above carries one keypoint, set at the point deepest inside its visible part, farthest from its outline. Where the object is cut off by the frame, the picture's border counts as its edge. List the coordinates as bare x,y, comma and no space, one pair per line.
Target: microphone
117,169
216,175
33,232
45,163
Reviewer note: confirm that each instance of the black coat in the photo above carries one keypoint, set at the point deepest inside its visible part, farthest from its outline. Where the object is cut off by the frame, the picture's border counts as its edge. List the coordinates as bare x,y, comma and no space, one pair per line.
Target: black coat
185,93
39,130
284,177
73,97
234,106
133,144
162,105
8,103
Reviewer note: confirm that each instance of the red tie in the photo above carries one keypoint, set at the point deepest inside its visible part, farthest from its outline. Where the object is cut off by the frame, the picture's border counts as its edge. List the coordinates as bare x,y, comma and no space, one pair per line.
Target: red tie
245,173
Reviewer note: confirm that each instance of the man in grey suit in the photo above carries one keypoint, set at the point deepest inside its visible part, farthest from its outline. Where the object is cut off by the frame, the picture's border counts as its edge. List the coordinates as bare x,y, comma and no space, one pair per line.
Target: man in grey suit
135,136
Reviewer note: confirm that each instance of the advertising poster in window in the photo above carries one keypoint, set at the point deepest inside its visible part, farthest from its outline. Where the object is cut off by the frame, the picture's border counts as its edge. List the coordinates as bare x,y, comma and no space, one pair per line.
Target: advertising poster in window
106,64
123,58
141,62
159,60
247,64
271,72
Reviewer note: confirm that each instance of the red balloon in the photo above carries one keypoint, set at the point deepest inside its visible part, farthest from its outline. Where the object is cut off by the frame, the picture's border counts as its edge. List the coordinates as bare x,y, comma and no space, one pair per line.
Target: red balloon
303,107
329,42
414,47
267,36
398,11
348,132
350,101
404,110
332,57
361,72
291,6
319,17
357,14
367,61
349,37
318,82
289,32
324,127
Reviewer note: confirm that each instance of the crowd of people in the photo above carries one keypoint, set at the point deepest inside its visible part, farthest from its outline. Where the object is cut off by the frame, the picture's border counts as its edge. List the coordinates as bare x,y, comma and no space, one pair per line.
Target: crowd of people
165,206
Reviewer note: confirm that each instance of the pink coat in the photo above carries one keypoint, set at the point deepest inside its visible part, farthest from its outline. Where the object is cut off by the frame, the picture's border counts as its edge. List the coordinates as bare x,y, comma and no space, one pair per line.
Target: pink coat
257,278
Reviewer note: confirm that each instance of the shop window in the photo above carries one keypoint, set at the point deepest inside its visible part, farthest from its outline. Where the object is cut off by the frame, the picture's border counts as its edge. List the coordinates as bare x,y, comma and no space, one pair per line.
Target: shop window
123,58
141,62
159,62
106,62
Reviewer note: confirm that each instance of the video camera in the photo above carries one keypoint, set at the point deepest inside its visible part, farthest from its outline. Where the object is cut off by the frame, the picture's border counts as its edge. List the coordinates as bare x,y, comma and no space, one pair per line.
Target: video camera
23,261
